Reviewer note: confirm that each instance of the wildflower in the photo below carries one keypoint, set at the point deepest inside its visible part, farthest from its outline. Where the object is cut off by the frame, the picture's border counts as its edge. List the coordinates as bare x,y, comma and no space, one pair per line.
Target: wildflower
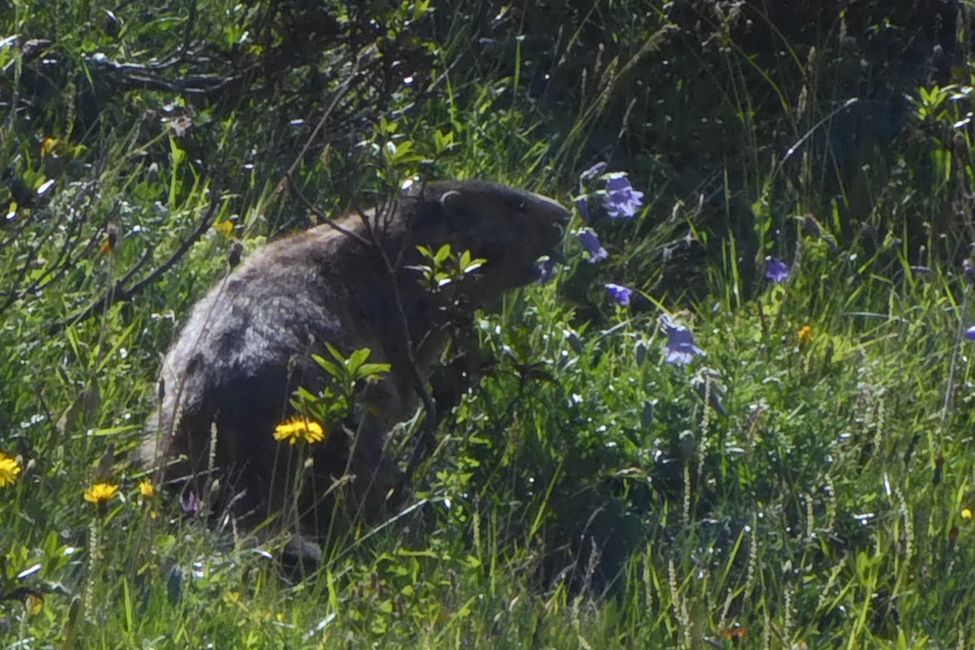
810,227
146,489
966,513
34,603
101,493
109,244
640,352
590,241
299,429
970,333
776,270
805,334
619,293
735,632
592,172
225,228
680,347
621,201
9,470
583,205
50,147
190,503
572,338
544,269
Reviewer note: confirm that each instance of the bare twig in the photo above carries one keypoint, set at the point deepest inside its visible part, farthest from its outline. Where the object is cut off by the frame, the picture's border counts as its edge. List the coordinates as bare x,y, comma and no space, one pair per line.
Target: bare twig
34,253
118,292
67,256
318,214
134,75
339,94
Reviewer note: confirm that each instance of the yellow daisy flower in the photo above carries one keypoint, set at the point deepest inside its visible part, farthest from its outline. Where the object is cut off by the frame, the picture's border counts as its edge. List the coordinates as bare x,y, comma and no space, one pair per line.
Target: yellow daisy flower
100,493
51,147
34,604
966,513
225,228
299,429
9,470
146,489
805,334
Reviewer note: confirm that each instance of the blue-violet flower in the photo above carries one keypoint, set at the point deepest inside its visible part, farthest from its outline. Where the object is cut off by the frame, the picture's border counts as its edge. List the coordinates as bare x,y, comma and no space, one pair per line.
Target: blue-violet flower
619,293
621,201
545,269
680,348
590,241
776,270
583,206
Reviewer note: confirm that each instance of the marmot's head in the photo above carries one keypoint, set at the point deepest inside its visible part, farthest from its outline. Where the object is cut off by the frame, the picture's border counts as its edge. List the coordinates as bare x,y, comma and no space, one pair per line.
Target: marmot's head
510,228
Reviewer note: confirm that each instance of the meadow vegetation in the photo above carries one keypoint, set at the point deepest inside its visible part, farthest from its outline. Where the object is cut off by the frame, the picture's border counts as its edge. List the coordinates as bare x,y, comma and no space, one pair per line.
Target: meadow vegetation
738,412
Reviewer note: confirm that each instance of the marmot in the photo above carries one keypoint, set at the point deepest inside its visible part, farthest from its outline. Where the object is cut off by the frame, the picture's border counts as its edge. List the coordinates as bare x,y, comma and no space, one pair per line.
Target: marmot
227,381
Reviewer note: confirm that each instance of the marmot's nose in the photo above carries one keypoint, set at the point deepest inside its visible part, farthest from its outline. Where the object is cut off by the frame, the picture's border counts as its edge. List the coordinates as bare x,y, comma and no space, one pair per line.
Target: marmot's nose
554,212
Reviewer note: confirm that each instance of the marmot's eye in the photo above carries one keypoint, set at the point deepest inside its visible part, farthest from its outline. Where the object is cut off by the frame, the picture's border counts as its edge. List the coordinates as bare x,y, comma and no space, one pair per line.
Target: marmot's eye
522,206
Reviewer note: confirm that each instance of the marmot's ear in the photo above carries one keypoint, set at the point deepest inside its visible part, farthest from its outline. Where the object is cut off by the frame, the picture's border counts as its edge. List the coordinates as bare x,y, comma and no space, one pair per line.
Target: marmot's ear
452,203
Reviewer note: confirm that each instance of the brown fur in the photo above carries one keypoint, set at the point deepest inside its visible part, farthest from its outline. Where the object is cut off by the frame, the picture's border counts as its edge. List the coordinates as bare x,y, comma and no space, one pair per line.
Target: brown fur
247,345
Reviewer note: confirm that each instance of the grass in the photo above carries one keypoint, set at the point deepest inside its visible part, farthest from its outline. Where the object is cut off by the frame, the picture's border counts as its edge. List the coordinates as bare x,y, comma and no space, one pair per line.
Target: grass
784,490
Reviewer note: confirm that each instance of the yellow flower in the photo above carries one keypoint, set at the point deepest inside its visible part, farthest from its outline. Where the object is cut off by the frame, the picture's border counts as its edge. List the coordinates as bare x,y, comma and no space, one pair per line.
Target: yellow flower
50,146
966,513
299,429
146,489
100,493
34,604
9,469
805,334
225,228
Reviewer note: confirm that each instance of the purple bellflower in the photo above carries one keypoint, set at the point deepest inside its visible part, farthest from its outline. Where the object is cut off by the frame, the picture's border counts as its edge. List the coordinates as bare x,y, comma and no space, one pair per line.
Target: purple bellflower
776,270
545,269
590,241
621,201
680,348
619,293
592,172
191,503
582,204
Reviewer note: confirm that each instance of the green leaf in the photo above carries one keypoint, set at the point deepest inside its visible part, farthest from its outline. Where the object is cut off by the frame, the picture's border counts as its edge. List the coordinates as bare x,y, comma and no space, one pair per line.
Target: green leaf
334,352
474,265
442,254
357,358
328,366
373,369
442,141
304,395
